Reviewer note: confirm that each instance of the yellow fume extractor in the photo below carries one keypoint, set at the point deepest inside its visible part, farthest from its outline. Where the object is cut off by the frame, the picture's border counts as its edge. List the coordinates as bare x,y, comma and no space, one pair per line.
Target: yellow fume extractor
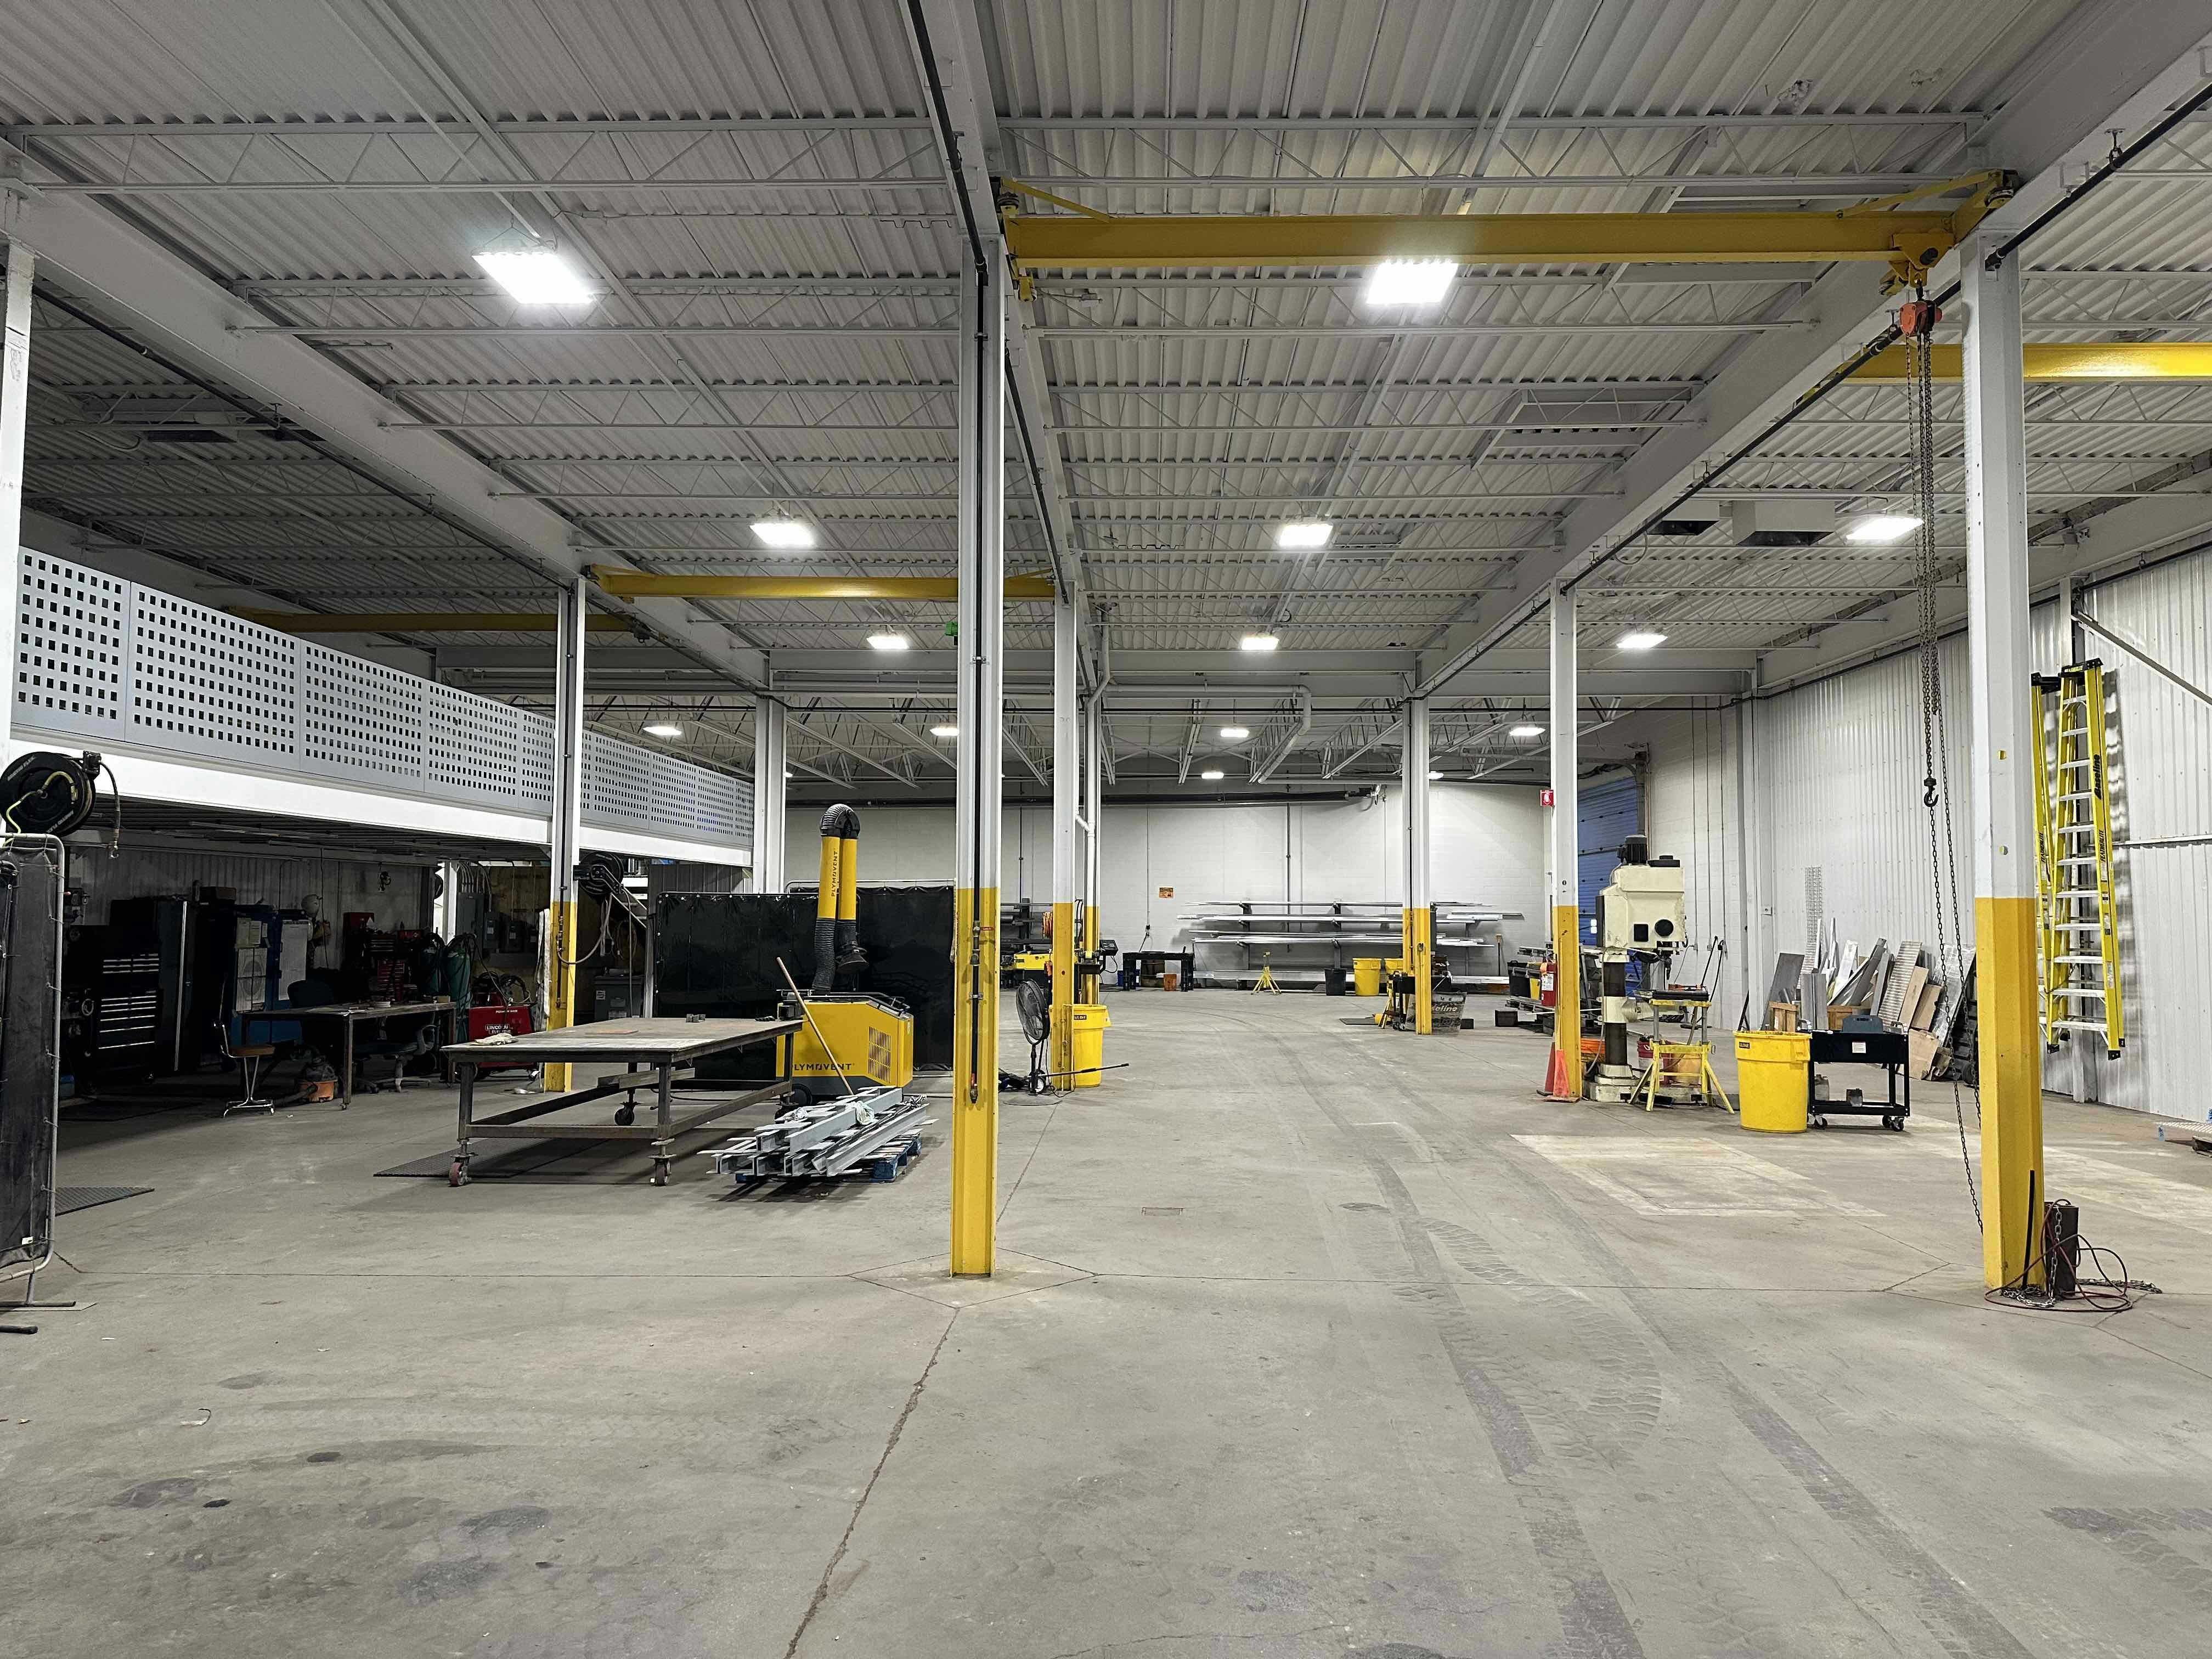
863,1038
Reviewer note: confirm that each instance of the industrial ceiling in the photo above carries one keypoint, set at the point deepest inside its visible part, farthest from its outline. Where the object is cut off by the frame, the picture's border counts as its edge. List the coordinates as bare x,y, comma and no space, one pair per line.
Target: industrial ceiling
759,196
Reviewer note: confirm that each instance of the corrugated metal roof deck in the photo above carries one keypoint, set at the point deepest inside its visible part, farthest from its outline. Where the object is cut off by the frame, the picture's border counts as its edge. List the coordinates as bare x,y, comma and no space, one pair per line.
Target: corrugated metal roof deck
1188,417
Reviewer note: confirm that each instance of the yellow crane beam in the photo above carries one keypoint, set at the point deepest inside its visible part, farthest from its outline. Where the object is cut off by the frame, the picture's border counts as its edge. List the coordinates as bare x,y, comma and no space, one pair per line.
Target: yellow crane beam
428,622
1081,242
642,585
2134,360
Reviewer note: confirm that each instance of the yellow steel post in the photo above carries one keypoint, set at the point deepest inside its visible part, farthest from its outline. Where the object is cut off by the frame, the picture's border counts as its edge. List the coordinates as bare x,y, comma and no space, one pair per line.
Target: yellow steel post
1416,927
2009,1040
1067,876
560,982
1566,901
565,823
981,714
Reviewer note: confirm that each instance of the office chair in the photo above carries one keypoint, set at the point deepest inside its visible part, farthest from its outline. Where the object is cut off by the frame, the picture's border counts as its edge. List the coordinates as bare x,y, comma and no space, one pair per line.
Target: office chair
398,1051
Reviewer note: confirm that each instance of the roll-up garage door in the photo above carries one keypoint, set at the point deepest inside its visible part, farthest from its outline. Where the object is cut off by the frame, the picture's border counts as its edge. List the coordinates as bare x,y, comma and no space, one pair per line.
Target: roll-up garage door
1610,812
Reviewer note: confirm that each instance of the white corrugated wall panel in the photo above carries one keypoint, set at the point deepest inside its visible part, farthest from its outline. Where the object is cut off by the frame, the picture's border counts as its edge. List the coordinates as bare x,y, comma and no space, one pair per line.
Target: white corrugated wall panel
1839,768
1690,805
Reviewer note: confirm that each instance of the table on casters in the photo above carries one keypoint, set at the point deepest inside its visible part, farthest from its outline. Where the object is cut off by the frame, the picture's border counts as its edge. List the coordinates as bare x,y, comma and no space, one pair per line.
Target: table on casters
651,1052
1887,1050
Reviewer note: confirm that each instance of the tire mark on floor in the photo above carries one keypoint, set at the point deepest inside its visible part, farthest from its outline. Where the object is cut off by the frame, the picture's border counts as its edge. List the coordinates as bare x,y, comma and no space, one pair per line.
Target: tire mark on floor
1592,1621
1954,1617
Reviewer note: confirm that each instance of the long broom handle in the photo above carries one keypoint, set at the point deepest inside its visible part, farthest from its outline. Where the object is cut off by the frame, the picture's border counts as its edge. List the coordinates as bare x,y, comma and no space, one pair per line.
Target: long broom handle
808,1015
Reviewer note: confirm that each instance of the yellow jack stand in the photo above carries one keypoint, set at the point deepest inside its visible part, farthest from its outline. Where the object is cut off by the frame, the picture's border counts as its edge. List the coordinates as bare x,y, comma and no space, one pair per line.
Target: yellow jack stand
1661,1052
1267,980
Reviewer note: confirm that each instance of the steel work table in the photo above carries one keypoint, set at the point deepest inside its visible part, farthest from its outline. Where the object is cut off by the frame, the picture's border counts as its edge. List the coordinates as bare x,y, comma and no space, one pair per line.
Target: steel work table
349,1015
651,1052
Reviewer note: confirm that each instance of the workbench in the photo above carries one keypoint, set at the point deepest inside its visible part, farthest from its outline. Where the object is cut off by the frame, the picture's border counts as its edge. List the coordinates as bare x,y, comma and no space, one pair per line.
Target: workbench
1891,1051
350,1015
650,1051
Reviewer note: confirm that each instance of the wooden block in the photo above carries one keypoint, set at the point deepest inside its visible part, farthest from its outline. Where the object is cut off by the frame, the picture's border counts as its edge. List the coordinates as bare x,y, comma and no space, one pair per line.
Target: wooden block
1924,1015
1840,1012
1781,1016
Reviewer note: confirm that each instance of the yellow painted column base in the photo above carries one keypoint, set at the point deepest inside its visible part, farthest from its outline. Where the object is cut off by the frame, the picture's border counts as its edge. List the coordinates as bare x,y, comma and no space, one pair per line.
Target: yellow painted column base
975,1079
1062,1052
2010,1060
561,987
1567,1014
1415,931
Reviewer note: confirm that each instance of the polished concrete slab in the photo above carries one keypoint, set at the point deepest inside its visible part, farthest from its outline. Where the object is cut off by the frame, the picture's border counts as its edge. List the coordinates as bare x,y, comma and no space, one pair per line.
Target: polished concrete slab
1309,1340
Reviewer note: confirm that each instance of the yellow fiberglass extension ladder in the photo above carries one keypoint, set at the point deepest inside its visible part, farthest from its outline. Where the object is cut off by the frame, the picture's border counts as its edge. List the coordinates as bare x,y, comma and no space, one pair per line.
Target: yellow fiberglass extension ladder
2079,940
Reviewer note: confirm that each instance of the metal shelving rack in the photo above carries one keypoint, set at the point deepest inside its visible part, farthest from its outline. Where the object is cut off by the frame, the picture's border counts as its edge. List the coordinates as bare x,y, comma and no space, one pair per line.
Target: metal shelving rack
1233,939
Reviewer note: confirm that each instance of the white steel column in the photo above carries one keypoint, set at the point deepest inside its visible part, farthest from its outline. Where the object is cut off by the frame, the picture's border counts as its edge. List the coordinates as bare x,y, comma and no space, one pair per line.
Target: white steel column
1751,826
770,762
1565,1080
2004,727
15,403
1094,812
1066,869
1417,933
563,848
981,711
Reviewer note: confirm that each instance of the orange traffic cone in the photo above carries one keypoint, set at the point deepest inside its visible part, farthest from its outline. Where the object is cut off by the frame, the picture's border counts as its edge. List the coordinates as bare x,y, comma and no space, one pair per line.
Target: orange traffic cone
1555,1075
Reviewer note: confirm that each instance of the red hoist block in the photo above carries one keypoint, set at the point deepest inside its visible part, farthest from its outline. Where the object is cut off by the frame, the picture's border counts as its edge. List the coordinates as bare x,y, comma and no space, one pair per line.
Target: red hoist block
1919,317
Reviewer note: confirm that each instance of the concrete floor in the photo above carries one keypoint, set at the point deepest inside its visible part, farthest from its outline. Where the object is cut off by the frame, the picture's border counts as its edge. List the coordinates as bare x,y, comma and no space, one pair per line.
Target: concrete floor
1310,1341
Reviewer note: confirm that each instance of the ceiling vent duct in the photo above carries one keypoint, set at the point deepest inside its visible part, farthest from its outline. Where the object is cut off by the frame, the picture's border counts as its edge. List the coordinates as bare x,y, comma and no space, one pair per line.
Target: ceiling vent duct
1691,519
1781,524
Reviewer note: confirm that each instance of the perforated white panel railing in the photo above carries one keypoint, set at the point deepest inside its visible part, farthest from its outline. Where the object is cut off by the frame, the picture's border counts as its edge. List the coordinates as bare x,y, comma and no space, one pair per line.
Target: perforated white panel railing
102,661
204,682
72,641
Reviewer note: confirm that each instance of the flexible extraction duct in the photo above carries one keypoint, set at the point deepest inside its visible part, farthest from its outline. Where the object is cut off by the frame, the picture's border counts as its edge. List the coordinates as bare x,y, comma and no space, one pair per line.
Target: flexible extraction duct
836,904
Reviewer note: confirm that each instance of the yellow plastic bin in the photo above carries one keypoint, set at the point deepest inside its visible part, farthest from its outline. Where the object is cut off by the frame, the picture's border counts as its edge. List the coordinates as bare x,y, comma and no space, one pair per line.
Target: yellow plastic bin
1772,1070
1393,964
1367,976
1087,1027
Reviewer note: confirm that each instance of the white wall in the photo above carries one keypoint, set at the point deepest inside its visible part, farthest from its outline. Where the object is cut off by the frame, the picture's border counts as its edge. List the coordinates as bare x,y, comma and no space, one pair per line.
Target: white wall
1838,768
1486,845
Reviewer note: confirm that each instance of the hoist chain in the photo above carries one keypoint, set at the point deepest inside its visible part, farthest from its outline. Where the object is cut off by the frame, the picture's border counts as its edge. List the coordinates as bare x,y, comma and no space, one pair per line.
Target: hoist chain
1917,320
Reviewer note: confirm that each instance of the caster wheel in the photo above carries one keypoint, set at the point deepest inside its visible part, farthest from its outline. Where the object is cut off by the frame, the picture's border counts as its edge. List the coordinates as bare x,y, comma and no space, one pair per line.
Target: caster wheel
660,1175
626,1116
1895,1123
458,1175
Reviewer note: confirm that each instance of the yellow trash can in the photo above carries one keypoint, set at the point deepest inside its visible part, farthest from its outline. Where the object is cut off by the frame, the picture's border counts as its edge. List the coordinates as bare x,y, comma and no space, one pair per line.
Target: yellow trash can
1087,1026
1367,976
1772,1073
1393,964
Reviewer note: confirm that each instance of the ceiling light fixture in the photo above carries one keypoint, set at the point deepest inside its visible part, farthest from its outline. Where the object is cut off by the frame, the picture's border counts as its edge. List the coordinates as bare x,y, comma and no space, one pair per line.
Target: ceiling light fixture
532,272
1212,774
1409,282
664,729
1526,732
944,730
1639,640
787,534
887,639
1258,642
1303,535
1235,734
1882,527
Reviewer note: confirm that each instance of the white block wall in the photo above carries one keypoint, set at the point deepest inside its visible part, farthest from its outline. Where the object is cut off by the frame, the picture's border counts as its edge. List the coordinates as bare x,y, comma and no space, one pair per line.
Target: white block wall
1838,767
1488,844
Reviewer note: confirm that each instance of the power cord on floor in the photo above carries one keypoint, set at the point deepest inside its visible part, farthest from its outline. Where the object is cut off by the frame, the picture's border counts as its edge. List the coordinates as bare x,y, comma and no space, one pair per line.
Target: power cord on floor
2106,1295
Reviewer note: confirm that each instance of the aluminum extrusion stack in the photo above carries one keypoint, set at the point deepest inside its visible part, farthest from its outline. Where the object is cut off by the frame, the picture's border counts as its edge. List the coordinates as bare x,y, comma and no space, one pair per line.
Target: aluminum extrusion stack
872,1130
